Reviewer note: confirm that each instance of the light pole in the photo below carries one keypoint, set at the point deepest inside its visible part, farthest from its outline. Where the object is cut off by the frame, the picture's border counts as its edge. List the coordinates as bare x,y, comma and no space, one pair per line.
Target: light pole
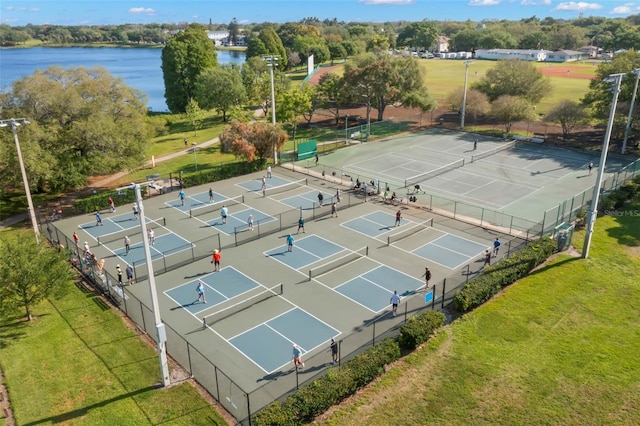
195,159
346,127
627,130
161,333
593,212
464,95
272,61
15,123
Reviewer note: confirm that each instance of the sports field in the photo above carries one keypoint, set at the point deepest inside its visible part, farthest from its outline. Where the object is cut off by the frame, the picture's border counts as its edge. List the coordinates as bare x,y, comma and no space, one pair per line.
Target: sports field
334,282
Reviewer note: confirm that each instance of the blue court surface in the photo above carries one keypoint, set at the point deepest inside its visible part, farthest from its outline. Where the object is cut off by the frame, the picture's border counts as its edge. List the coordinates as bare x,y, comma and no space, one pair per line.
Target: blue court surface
306,251
238,220
112,224
450,251
373,289
219,287
255,185
270,344
375,224
195,201
165,245
309,200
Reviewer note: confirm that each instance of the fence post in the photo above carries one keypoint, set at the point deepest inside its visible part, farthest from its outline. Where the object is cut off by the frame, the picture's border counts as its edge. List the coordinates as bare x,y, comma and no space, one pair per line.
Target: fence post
444,287
374,334
405,312
433,299
144,323
248,408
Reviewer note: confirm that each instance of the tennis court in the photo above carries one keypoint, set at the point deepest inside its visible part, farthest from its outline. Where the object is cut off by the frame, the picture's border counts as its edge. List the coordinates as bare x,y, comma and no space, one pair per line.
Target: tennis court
376,224
166,243
309,200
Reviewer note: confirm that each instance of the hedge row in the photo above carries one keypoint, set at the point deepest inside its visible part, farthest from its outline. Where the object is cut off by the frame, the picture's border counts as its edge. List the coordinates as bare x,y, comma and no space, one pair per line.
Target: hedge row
101,201
306,403
419,328
616,199
502,274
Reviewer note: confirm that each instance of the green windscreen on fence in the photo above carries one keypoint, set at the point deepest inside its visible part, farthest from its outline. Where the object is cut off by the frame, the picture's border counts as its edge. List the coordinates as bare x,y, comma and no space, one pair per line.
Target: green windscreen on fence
307,149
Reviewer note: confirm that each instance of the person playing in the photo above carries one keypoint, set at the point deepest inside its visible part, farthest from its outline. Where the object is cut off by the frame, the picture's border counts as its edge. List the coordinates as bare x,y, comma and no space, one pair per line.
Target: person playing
393,198
127,244
250,222
136,211
129,271
320,198
119,272
86,248
181,195
334,209
301,225
269,171
290,243
338,195
112,205
395,300
475,144
317,160
334,352
210,195
76,238
590,167
264,184
224,212
496,247
215,259
98,219
487,258
151,236
427,277
297,357
398,217
200,291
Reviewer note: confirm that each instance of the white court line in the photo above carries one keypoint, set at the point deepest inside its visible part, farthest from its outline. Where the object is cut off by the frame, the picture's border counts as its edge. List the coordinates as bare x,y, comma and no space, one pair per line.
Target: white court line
463,238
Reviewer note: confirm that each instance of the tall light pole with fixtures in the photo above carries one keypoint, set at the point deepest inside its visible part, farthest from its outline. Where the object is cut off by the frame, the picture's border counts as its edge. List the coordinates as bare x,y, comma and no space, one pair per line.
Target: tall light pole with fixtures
15,123
161,333
616,79
627,130
272,61
464,95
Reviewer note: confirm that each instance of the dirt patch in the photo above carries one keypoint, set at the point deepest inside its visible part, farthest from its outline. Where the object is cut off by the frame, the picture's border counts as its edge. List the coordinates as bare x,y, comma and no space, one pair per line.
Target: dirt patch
582,73
315,79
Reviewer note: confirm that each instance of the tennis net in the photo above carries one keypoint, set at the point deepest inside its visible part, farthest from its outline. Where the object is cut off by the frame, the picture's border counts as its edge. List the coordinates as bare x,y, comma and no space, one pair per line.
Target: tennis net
409,232
509,145
199,211
352,256
286,187
119,235
242,305
437,172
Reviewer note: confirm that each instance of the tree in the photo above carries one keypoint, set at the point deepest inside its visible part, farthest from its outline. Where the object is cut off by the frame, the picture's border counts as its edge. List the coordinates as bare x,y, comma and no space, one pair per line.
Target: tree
184,57
330,93
83,122
466,40
384,81
515,78
248,139
510,109
570,115
477,102
268,43
194,115
418,35
310,45
220,88
233,31
337,51
30,273
293,104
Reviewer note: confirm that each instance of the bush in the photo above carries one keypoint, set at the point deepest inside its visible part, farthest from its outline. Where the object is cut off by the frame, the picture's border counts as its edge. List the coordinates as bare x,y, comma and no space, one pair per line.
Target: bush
502,274
223,171
100,201
419,328
308,402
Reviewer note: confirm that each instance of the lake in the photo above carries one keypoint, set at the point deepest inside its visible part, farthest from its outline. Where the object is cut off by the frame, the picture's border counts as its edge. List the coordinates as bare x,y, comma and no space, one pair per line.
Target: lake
138,67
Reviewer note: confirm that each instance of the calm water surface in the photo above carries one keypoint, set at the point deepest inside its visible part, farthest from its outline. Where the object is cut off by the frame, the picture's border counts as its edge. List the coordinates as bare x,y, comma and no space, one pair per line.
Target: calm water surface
138,67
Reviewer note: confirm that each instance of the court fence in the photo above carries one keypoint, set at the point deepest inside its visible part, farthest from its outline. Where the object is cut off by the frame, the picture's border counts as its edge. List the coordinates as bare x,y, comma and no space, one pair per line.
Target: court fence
244,404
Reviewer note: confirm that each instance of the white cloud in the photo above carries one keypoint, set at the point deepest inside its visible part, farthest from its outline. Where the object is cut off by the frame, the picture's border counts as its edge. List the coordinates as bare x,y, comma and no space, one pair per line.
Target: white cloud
621,10
387,1
484,2
535,3
142,11
22,9
578,6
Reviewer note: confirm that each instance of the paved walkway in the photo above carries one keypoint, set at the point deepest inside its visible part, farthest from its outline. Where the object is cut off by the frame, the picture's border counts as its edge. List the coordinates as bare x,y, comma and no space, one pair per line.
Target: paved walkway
104,182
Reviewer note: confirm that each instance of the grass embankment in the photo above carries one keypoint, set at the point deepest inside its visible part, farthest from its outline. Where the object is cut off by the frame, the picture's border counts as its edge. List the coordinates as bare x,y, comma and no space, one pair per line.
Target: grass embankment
559,347
77,362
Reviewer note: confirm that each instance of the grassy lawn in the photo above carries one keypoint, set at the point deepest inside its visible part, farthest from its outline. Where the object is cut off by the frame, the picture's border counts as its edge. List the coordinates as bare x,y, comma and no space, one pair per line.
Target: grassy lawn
77,362
559,347
178,128
445,76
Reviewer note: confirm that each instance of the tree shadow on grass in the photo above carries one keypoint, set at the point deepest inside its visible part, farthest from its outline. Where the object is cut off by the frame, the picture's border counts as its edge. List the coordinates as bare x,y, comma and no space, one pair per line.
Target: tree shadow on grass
628,233
11,330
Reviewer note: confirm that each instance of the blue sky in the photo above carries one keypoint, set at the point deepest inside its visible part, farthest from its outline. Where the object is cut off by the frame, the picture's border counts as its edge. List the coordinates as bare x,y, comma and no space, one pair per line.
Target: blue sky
88,12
